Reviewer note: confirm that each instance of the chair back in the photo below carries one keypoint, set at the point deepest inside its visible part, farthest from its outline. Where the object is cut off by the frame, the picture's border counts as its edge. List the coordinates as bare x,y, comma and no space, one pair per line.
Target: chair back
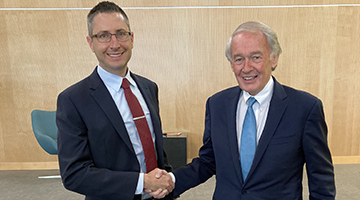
45,129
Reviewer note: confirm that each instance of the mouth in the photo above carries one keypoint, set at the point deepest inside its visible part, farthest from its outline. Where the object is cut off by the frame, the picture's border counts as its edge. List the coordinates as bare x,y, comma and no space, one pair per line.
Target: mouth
249,78
114,55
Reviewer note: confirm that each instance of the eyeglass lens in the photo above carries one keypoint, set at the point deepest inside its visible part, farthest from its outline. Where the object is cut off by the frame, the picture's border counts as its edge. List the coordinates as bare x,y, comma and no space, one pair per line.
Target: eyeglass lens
106,36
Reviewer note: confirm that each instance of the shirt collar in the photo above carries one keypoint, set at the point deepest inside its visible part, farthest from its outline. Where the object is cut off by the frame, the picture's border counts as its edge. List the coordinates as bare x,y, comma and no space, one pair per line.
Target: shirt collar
264,95
114,81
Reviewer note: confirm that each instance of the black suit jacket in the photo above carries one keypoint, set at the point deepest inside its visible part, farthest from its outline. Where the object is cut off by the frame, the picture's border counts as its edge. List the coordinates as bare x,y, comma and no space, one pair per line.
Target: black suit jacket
295,133
95,153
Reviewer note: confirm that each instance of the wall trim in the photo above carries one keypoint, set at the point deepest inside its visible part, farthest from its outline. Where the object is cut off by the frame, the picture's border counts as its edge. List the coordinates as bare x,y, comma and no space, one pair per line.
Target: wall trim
55,164
336,160
29,165
190,7
346,159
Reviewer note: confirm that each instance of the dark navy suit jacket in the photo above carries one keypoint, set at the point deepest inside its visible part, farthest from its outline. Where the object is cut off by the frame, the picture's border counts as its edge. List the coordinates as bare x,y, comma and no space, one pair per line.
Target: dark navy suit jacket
95,153
295,133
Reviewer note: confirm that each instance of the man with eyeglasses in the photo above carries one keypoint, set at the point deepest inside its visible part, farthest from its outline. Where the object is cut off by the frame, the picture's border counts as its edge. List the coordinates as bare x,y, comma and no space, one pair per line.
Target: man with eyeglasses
101,147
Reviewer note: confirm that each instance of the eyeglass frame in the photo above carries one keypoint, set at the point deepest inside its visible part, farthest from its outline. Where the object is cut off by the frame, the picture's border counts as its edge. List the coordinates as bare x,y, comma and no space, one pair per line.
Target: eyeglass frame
97,36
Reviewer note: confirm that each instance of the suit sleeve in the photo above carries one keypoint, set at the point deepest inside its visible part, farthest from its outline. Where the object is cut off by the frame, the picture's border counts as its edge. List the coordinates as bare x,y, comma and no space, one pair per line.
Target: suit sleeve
201,168
77,167
318,160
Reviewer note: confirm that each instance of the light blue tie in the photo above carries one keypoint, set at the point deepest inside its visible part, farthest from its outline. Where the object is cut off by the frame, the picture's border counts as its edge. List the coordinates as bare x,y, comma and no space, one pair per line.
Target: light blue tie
248,139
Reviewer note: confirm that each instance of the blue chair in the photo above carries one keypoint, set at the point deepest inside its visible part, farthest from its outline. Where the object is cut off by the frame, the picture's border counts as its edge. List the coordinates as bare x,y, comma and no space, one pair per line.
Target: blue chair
45,130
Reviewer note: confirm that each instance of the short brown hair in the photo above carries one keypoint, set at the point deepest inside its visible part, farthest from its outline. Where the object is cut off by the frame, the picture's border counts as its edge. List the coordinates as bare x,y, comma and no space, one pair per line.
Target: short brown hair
105,7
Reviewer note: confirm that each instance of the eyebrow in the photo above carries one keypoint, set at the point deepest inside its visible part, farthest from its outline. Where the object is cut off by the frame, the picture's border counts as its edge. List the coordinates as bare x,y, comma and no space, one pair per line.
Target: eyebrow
251,53
119,30
256,52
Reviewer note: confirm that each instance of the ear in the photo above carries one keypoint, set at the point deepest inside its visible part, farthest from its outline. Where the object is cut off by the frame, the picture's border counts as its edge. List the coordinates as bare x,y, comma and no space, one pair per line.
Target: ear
232,66
274,62
132,40
90,41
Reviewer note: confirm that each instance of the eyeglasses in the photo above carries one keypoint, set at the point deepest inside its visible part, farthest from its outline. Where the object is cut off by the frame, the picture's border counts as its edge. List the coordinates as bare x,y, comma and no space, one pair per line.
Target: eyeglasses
103,37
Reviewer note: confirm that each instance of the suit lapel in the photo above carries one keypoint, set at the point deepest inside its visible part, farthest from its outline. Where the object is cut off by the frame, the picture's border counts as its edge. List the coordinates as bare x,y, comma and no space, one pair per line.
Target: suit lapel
232,103
150,103
106,103
147,94
276,110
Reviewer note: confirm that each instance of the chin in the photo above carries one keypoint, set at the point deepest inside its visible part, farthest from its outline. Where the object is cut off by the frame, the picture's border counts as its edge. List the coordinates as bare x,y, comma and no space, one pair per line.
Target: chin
249,90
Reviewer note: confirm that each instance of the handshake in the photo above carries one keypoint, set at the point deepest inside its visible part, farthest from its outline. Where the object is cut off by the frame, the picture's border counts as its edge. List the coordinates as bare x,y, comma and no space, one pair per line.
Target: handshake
158,183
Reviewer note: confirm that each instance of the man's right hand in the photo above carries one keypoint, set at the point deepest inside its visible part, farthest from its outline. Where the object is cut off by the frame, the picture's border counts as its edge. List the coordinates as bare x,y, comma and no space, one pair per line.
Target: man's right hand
158,183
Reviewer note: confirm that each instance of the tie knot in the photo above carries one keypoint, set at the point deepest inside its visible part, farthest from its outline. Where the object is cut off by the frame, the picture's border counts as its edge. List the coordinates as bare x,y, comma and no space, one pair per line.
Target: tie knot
125,84
252,100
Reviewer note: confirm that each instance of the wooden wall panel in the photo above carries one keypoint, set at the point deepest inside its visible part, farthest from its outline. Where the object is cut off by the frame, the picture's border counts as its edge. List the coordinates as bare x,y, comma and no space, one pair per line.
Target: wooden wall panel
162,3
346,105
39,45
182,49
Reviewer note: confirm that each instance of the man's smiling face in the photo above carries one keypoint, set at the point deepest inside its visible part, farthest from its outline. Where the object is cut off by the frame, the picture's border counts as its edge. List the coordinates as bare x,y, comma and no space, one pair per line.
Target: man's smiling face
251,61
113,56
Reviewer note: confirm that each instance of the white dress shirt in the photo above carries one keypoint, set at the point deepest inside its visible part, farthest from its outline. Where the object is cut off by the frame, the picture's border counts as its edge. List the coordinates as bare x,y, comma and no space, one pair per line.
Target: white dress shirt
260,107
113,84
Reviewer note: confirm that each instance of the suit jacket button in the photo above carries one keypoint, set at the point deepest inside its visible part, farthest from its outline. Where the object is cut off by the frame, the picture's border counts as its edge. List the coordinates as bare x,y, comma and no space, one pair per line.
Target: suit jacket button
243,192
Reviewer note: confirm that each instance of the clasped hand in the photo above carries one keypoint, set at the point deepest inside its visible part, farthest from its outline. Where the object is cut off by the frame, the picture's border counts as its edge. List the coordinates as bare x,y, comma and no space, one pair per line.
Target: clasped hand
158,183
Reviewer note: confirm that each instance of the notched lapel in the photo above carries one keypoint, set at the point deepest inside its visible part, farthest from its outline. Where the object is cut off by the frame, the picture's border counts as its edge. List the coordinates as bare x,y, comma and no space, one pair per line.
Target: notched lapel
232,103
106,103
277,108
150,104
146,93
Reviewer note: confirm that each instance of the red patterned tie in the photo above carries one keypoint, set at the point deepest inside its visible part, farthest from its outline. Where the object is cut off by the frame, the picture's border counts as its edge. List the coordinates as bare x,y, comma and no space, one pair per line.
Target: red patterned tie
142,127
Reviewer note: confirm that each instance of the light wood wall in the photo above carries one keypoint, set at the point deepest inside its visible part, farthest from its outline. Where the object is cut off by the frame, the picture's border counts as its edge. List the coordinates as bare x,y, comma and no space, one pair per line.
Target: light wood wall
180,45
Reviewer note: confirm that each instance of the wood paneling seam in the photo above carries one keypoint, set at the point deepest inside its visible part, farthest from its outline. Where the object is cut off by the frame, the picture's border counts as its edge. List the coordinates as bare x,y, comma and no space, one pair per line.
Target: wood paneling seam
191,7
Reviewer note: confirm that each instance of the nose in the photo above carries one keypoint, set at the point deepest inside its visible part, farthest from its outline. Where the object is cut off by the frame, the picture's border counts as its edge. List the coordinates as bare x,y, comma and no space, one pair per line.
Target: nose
114,43
247,65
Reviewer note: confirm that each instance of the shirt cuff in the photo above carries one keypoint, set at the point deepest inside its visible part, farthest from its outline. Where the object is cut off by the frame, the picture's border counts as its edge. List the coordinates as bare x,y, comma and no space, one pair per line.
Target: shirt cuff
140,185
172,177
